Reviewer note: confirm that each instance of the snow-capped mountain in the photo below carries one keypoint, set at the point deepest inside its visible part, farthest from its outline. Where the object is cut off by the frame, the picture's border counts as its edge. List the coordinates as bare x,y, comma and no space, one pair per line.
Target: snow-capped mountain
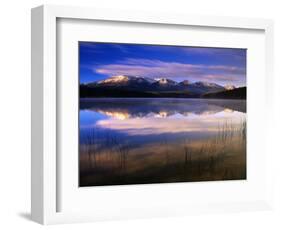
125,80
115,79
156,86
164,84
202,87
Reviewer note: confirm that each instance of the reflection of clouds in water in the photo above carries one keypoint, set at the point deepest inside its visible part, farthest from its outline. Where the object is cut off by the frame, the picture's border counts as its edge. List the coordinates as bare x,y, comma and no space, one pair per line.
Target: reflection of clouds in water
117,115
158,116
160,107
162,114
175,124
123,115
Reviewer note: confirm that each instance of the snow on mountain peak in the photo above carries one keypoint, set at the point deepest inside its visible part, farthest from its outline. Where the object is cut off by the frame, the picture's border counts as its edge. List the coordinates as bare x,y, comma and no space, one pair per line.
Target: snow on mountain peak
115,79
124,79
229,87
164,81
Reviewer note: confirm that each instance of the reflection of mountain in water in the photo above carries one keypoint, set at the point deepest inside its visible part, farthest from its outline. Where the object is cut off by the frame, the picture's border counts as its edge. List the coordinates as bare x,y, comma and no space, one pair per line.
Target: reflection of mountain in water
128,108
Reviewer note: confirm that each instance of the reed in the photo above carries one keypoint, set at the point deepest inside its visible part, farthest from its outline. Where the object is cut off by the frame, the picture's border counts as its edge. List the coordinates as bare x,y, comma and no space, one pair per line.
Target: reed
90,147
209,157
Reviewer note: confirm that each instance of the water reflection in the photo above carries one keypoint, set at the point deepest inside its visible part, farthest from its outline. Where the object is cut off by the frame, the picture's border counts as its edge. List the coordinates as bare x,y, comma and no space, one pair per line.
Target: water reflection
138,135
127,107
158,116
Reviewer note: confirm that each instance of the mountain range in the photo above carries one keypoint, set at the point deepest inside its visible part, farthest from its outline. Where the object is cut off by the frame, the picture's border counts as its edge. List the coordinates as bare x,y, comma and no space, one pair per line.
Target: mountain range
135,86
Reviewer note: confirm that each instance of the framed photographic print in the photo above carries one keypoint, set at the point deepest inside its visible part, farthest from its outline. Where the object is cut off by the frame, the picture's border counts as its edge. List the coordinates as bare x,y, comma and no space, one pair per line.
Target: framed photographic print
159,114
140,114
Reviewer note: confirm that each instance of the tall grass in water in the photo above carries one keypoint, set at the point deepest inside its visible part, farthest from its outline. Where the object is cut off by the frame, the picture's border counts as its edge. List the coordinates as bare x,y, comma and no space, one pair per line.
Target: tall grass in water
123,152
120,149
90,148
113,148
187,157
166,150
225,132
244,130
210,159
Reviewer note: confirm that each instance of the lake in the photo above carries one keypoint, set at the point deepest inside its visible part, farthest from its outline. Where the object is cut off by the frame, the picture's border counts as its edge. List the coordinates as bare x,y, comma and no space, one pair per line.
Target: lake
161,140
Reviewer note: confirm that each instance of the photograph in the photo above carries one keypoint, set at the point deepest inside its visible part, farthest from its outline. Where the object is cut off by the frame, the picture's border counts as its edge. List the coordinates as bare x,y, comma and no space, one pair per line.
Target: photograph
151,113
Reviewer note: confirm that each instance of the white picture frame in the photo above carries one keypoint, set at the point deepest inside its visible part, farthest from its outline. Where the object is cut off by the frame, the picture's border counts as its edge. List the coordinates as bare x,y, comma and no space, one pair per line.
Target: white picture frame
45,162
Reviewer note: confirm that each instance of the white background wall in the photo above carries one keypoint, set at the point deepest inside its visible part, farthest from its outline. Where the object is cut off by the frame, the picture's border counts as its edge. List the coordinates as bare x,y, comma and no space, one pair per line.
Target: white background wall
15,112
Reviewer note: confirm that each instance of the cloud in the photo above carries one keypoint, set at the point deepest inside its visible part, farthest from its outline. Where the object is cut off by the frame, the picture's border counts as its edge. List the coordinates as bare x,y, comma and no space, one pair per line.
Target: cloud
175,70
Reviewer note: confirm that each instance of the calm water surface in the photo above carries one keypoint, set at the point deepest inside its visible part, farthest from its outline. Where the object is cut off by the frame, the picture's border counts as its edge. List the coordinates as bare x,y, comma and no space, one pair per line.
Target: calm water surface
131,141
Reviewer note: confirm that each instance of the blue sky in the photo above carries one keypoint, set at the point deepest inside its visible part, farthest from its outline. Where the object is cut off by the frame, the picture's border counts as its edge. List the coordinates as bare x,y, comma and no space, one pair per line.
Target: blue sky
223,66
